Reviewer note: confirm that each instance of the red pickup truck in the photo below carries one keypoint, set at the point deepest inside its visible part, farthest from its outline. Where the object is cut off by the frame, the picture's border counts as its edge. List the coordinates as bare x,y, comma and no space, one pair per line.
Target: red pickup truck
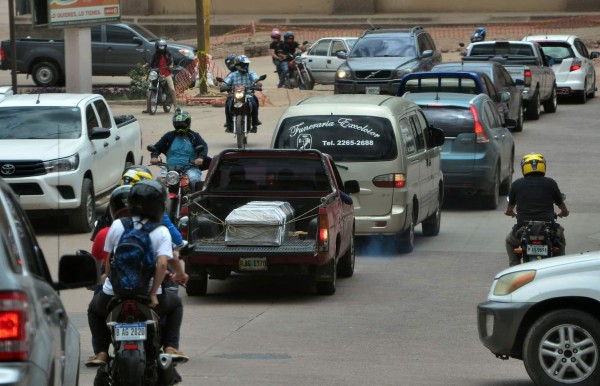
273,212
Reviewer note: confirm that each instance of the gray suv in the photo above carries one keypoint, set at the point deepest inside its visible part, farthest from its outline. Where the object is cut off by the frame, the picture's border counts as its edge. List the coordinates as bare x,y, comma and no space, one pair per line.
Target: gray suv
381,57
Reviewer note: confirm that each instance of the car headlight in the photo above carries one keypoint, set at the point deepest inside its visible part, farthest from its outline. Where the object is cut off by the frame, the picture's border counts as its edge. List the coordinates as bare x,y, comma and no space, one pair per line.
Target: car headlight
511,282
172,178
342,73
153,75
400,73
187,53
62,164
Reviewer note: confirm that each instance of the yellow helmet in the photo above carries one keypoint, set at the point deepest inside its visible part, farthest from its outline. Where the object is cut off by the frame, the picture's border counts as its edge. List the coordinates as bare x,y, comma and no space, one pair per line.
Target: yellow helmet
533,163
135,174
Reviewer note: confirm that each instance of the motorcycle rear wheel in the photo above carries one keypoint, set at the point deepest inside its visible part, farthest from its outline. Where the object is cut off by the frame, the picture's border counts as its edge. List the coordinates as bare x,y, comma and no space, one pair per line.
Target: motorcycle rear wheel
152,102
239,131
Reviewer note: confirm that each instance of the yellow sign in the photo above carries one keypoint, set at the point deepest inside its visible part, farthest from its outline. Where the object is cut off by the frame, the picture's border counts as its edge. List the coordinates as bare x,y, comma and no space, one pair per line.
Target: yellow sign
73,12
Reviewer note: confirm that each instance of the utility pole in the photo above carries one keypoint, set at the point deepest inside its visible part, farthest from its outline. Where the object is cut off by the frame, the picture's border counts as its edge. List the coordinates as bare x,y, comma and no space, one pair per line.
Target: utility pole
13,45
203,30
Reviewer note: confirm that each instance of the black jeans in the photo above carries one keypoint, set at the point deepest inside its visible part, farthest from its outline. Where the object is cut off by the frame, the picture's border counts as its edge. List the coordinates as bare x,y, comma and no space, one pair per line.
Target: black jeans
169,308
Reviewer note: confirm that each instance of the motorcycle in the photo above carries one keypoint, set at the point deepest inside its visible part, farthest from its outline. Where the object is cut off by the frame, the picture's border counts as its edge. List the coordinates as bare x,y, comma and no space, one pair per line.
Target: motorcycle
158,91
241,109
298,76
177,184
538,241
478,35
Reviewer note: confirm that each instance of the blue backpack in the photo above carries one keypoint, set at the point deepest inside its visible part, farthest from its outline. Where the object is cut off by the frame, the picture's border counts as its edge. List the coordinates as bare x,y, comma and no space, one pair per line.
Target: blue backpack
133,263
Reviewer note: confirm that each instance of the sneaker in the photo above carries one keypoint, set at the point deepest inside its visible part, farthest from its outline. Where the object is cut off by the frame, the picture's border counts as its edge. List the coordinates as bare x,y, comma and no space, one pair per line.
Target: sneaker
257,123
97,360
176,355
279,86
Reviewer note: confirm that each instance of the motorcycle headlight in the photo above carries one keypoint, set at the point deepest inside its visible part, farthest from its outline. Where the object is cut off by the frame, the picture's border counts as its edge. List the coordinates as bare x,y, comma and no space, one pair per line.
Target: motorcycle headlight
172,178
153,75
62,164
239,95
511,282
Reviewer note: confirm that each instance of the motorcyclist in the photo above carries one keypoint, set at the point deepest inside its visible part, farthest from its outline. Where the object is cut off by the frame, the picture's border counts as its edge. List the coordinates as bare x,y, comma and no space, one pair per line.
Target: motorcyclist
230,62
179,146
245,77
534,196
163,60
145,203
275,40
286,50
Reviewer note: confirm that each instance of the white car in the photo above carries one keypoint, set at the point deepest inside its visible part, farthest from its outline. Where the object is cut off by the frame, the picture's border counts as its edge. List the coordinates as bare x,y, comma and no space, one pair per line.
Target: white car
546,313
5,91
573,65
321,57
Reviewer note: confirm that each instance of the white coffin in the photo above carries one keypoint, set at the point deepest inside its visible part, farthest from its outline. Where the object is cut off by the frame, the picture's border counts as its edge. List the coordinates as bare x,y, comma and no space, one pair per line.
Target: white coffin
259,223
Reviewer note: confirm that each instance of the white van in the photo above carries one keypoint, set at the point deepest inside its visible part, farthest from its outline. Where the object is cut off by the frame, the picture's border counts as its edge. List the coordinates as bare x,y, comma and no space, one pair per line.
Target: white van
386,144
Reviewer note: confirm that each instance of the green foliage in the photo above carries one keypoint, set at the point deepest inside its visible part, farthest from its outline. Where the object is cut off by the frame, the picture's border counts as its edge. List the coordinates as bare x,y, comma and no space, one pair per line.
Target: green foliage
139,83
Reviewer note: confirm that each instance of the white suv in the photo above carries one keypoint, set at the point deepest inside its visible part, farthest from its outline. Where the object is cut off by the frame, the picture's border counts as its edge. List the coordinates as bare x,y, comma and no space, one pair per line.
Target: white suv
546,313
573,65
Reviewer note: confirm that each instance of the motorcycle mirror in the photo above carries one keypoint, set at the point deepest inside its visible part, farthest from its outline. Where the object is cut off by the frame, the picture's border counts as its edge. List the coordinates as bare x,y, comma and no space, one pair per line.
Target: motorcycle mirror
262,77
564,196
219,79
151,148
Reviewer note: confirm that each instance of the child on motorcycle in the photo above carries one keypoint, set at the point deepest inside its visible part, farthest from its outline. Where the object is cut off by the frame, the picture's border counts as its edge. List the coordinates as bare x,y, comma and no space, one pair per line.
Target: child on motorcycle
245,77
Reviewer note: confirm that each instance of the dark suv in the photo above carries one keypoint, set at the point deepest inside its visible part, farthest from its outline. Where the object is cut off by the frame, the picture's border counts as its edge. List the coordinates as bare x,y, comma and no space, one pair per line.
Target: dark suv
381,57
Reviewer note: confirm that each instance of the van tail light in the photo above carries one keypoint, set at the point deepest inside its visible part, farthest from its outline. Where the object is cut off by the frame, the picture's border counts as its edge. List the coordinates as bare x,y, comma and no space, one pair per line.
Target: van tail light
14,307
575,65
527,78
480,133
394,180
323,241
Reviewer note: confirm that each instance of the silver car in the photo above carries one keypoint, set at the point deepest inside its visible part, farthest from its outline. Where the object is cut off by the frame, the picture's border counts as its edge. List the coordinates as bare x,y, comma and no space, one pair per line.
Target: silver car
321,58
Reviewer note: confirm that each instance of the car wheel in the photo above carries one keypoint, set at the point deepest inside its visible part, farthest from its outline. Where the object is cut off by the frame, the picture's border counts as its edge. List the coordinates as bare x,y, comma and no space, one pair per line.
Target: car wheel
45,74
346,263
431,225
328,287
563,348
491,200
405,241
82,219
534,108
507,183
197,284
581,96
551,104
519,126
592,93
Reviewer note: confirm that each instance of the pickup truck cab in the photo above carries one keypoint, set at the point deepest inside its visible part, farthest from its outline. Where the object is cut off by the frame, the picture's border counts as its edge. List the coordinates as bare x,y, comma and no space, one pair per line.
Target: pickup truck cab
527,65
545,313
307,230
64,153
116,50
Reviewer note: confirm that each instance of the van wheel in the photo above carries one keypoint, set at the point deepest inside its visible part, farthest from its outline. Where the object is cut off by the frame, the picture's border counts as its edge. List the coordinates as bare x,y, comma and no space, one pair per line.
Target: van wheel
431,225
82,219
405,241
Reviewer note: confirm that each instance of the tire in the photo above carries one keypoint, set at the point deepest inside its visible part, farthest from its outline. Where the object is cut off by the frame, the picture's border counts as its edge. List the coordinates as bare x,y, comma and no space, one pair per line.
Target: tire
327,288
492,199
129,369
581,96
431,225
548,342
152,101
520,119
197,285
167,108
309,83
405,241
239,131
551,104
534,107
592,93
346,263
507,183
45,74
82,219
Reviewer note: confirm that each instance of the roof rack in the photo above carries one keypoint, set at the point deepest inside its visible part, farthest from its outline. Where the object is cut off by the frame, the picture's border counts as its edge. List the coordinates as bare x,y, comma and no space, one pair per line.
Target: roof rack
411,30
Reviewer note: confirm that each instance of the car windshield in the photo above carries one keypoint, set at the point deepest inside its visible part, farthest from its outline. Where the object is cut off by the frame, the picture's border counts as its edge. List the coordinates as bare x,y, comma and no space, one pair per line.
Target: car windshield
557,50
144,32
344,137
384,47
40,122
452,120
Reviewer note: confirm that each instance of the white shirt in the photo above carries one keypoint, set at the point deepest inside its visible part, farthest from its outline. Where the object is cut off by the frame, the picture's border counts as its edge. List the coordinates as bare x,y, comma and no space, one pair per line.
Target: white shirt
161,244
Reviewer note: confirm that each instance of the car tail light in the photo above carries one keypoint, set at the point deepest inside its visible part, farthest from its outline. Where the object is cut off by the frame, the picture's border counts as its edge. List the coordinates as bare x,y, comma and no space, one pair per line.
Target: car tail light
480,134
323,230
14,307
2,55
575,65
527,76
394,180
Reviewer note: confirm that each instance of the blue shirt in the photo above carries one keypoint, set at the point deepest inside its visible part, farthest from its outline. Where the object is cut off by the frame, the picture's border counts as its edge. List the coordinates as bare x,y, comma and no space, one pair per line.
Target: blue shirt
181,152
237,78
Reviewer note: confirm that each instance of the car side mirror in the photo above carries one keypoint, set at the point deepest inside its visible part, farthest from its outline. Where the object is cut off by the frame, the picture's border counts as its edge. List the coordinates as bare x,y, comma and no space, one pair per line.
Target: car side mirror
509,123
77,271
351,187
100,133
427,54
137,40
594,55
262,77
505,96
437,136
341,54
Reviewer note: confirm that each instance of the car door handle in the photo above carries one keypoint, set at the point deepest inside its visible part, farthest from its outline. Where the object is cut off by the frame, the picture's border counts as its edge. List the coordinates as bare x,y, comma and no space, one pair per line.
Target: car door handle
328,61
117,137
109,49
105,144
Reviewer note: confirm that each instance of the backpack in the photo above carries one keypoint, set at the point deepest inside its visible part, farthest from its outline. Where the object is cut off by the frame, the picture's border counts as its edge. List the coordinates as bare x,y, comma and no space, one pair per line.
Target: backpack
133,263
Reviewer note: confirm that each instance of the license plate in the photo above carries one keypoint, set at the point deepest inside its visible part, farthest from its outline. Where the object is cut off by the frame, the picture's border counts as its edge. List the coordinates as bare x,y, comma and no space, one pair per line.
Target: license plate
130,331
537,250
253,264
372,90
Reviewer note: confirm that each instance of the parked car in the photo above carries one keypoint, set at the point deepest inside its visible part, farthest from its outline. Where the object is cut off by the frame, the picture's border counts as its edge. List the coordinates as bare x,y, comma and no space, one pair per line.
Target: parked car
478,152
573,65
381,57
501,80
386,144
322,57
40,343
545,313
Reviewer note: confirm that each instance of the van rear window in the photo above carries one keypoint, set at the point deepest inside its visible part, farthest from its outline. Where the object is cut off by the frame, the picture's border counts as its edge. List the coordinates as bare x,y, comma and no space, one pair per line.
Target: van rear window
345,138
452,121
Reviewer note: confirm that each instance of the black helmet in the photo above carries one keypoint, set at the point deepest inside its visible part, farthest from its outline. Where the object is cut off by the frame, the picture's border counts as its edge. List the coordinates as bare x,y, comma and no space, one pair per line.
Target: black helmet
118,201
182,120
160,45
230,62
288,35
147,200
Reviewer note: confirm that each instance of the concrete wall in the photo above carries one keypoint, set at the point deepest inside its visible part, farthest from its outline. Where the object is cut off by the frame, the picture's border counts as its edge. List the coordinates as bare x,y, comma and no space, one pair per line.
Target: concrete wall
236,7
419,6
